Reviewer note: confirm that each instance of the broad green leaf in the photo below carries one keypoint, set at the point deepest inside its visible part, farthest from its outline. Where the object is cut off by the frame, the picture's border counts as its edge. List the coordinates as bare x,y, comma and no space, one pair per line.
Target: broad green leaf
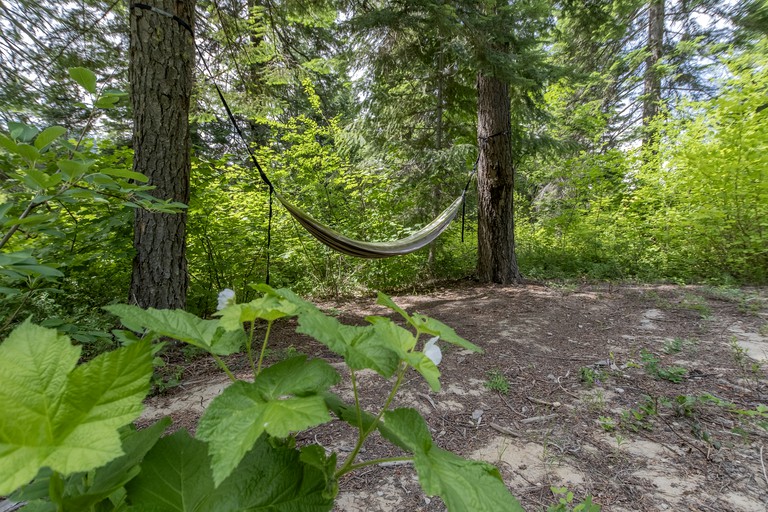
400,339
84,490
100,179
314,455
17,258
424,365
102,482
107,101
407,429
49,135
39,506
22,132
29,219
74,169
125,173
38,361
176,477
8,144
182,326
60,416
78,193
9,292
464,485
28,153
284,398
347,412
40,180
38,270
403,342
277,479
116,92
296,376
269,308
360,346
85,78
385,300
437,328
288,295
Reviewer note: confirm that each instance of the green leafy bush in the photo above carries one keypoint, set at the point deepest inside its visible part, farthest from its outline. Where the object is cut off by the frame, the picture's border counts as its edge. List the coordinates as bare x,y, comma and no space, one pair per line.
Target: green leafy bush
67,427
695,211
66,204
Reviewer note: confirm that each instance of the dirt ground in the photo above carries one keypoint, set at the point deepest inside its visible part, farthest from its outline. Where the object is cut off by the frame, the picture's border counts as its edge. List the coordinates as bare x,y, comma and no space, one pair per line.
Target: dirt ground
576,389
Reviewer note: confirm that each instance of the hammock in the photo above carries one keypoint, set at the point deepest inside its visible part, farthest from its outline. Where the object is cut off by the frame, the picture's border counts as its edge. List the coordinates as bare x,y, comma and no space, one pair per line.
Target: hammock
371,250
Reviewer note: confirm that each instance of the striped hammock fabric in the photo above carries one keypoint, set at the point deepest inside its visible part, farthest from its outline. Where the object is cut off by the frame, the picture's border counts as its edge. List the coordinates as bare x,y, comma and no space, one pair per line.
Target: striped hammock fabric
372,250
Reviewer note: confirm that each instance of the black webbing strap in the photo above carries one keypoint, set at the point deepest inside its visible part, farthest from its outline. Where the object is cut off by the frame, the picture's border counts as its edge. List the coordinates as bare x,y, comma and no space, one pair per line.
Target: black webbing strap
269,231
228,110
464,196
161,12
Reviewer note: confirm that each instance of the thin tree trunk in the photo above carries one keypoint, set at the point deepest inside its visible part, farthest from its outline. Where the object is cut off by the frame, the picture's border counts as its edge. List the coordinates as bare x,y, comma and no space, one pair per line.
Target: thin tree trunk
438,146
161,64
496,259
255,69
652,77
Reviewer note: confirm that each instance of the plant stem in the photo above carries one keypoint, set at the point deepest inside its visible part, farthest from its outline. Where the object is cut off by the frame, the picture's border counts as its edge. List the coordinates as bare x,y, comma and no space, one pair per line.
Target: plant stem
31,206
361,435
353,467
353,378
56,490
224,367
26,297
391,396
263,347
361,439
248,344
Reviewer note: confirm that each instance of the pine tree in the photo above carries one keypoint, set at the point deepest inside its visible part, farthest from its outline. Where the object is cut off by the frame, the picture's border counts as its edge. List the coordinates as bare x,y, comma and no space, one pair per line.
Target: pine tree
39,41
161,65
493,47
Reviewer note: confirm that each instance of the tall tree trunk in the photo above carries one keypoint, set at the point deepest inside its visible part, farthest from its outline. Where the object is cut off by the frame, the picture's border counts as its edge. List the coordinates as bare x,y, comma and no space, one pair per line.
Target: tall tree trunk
436,192
255,69
496,259
652,77
161,64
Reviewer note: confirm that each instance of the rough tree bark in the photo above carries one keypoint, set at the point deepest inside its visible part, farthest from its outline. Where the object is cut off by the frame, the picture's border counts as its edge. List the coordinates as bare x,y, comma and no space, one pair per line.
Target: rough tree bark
436,192
161,65
651,77
496,259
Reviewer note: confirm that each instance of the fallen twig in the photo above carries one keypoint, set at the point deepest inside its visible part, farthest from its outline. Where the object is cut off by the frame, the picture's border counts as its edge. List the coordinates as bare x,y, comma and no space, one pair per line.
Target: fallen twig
762,463
510,407
542,402
428,399
565,390
395,463
705,454
538,418
504,430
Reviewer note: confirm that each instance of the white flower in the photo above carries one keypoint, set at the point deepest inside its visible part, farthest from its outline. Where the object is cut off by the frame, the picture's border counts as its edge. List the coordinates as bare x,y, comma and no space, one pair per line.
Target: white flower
432,351
226,297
